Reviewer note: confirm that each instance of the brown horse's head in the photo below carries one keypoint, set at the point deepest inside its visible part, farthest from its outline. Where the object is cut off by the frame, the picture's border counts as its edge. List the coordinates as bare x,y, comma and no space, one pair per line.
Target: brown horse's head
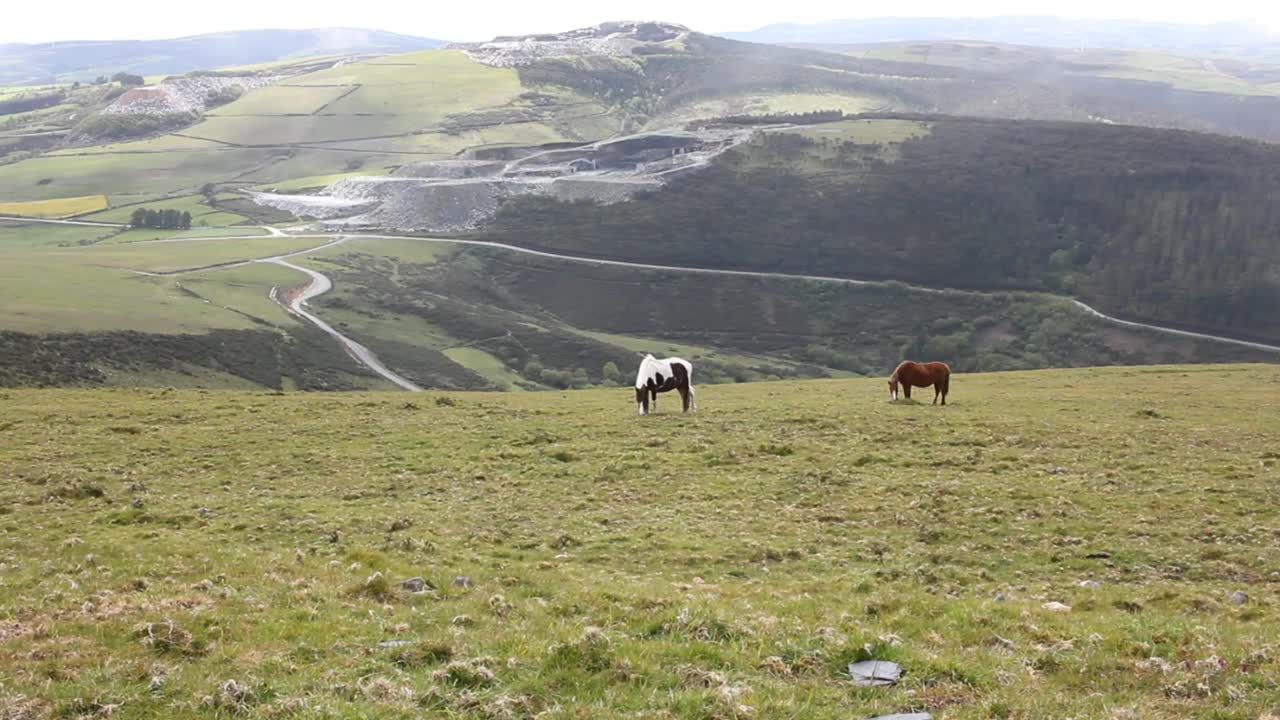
893,388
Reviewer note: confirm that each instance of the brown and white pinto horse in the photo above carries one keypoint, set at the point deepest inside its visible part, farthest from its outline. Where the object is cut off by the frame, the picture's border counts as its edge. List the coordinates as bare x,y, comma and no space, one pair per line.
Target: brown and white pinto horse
658,376
913,374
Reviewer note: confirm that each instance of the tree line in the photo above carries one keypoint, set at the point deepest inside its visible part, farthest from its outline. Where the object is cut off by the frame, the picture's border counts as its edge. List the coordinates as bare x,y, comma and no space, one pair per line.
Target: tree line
160,219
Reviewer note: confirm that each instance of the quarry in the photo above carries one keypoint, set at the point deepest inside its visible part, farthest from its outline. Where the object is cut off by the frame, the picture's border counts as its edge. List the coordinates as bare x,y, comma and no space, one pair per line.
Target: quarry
466,192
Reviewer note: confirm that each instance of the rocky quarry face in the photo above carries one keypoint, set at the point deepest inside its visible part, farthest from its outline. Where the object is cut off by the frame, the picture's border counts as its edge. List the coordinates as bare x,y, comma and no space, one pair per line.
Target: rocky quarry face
616,39
464,194
183,94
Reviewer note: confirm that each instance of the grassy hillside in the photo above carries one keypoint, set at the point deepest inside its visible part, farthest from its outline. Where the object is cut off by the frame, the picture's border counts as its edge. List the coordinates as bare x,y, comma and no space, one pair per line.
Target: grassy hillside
381,112
368,116
452,318
179,554
551,321
1166,226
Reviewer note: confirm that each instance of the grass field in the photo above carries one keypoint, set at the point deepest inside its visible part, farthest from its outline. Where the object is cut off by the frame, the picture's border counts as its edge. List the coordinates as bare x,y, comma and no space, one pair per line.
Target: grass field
56,176
56,208
49,283
184,554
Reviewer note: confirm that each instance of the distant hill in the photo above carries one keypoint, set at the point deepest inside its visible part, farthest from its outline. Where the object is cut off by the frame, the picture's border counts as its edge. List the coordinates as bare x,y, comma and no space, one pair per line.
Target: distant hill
47,63
1241,40
1159,225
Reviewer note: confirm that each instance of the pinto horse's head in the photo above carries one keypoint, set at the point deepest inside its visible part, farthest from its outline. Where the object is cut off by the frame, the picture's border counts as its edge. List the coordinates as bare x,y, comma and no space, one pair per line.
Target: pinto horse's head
893,388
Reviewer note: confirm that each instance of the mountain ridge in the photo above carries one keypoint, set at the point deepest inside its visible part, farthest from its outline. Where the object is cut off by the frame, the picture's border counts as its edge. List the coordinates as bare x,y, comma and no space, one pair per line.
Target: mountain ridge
84,60
1232,39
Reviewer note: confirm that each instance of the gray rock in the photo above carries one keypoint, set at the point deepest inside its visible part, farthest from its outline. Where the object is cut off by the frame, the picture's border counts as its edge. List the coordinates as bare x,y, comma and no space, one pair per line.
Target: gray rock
462,581
904,716
875,672
1238,597
394,643
417,585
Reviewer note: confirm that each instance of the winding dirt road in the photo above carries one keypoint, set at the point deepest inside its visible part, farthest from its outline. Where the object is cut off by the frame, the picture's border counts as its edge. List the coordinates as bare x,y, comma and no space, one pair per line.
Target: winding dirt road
319,286
50,221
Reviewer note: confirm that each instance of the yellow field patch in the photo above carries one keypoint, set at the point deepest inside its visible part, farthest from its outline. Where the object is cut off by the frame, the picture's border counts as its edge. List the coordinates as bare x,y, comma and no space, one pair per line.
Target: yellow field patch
56,208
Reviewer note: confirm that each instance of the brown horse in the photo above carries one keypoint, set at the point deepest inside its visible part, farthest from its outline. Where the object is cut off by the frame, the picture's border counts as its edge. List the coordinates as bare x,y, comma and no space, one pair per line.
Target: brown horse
913,374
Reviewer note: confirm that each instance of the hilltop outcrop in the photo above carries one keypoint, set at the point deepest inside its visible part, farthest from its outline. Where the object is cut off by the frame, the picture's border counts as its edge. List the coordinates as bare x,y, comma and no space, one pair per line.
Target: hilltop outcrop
617,39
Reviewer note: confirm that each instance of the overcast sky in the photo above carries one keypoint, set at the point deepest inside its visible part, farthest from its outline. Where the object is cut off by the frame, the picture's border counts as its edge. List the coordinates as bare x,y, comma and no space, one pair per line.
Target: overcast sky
37,21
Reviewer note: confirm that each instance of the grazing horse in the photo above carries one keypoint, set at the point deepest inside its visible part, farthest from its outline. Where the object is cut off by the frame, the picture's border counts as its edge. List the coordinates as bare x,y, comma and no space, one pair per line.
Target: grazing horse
913,374
658,376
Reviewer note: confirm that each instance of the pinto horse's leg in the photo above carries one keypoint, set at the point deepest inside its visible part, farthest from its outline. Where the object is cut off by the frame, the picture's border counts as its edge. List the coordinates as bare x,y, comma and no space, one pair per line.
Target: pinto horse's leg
684,396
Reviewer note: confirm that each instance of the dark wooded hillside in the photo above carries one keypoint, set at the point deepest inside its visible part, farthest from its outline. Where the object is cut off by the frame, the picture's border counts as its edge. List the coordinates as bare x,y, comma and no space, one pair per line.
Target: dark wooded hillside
1168,226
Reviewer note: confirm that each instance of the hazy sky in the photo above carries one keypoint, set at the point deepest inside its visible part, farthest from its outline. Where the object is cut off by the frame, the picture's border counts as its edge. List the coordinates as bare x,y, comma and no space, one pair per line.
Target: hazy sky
43,21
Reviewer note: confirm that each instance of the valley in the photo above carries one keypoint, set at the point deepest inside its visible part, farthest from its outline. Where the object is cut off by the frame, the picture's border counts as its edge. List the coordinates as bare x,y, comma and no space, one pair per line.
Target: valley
635,186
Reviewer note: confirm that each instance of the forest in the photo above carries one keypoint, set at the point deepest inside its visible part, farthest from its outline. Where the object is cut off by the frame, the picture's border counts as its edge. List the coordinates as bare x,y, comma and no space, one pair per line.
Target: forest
1160,225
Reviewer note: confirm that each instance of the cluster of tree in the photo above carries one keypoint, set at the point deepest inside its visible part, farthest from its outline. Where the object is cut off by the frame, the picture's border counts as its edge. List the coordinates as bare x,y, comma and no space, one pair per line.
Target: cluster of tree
104,127
1167,226
804,118
123,78
160,219
27,103
228,94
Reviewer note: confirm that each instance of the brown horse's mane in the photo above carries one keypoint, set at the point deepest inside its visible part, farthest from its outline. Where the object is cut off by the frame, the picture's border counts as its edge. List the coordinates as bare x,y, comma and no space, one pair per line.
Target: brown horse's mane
898,369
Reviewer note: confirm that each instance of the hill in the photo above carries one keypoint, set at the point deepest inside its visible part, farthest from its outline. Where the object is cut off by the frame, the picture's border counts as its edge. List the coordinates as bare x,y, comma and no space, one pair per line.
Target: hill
1064,544
1159,225
65,62
1241,40
642,142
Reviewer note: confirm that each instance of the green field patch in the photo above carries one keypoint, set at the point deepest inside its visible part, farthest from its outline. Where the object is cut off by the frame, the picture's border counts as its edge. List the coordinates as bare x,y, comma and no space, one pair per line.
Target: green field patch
192,253
95,288
770,103
162,144
282,100
143,235
194,204
62,176
247,289
304,162
17,236
866,131
405,250
488,366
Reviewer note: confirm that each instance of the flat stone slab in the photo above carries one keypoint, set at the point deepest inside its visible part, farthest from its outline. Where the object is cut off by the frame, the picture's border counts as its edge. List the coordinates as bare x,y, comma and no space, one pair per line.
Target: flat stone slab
394,643
904,716
875,672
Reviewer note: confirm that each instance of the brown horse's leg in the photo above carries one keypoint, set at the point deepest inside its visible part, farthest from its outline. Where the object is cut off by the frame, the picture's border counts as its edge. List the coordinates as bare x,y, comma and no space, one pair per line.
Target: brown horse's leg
937,390
906,390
